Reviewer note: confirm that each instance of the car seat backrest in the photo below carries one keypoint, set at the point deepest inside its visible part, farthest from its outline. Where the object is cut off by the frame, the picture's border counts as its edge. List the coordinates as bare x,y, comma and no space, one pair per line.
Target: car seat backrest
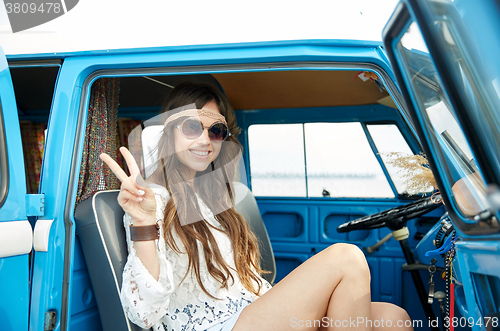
99,226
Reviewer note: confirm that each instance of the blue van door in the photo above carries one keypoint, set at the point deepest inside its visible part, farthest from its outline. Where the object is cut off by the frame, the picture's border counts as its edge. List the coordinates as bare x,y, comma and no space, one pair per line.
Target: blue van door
446,64
16,234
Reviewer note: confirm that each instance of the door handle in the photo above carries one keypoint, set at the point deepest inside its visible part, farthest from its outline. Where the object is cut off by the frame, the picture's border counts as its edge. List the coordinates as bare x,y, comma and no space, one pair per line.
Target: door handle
16,238
41,235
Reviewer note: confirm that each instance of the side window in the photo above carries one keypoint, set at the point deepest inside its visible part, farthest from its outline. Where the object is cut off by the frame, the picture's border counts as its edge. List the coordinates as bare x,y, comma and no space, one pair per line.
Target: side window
34,90
461,178
388,139
336,157
277,160
340,161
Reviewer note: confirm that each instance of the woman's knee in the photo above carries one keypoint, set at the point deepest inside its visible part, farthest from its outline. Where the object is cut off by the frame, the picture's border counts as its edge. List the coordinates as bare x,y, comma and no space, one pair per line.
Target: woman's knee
399,313
402,318
388,311
347,255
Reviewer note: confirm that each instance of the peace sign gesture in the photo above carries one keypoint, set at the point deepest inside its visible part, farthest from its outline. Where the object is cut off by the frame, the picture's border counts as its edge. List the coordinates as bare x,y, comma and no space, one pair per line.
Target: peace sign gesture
138,201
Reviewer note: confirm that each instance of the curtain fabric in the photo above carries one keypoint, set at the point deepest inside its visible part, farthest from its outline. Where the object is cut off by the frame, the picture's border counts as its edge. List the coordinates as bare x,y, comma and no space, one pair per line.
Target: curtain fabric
129,135
33,138
100,137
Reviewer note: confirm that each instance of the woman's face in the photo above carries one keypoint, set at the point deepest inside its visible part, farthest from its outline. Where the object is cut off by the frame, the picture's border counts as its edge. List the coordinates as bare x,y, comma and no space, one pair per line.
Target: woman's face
198,153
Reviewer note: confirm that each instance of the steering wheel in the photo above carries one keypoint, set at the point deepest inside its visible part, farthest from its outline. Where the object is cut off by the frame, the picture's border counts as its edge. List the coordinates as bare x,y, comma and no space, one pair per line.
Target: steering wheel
397,215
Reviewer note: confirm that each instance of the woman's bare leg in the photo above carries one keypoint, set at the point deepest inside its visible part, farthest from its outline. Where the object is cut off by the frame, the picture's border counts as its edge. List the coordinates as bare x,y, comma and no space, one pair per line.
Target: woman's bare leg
386,316
330,289
385,312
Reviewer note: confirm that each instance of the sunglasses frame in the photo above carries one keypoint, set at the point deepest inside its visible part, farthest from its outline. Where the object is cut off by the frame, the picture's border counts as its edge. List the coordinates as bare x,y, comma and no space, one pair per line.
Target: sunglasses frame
180,126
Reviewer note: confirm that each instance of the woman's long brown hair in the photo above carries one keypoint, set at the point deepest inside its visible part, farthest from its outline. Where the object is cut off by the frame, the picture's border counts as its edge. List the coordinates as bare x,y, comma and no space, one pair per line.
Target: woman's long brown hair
214,187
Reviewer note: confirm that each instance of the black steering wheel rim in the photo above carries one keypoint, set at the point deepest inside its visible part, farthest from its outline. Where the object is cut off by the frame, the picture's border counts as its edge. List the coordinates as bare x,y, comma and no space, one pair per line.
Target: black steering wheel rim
402,214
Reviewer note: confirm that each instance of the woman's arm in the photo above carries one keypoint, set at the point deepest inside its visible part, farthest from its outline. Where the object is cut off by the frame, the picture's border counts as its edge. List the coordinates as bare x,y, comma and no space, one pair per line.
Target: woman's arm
138,201
145,296
147,277
146,251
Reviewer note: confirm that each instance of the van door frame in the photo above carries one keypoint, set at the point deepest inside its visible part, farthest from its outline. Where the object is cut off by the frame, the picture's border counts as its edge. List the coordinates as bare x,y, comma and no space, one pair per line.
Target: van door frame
79,72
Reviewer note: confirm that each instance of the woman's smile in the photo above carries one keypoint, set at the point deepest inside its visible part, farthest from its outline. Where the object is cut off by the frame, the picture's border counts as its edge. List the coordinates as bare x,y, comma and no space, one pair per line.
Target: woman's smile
200,153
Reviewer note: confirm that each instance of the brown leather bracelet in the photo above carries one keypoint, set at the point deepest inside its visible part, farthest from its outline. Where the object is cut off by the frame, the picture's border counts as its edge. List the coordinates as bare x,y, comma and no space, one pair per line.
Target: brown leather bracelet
145,232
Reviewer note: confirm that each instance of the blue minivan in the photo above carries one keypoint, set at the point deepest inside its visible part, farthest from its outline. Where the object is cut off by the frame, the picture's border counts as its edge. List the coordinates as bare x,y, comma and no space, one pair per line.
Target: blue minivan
321,121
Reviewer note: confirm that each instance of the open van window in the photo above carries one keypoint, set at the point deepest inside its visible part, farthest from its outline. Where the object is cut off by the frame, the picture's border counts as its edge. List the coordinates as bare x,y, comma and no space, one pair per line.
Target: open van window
337,97
354,116
34,86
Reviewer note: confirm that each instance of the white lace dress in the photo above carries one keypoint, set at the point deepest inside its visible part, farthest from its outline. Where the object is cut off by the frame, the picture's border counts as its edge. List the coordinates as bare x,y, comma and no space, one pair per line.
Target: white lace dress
168,305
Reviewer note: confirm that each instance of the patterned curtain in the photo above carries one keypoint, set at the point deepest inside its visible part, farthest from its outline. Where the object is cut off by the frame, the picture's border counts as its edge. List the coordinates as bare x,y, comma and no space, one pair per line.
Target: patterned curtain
100,137
33,137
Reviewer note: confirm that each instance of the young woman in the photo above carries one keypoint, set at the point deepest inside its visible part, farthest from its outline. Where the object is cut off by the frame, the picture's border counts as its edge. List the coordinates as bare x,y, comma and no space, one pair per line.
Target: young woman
201,271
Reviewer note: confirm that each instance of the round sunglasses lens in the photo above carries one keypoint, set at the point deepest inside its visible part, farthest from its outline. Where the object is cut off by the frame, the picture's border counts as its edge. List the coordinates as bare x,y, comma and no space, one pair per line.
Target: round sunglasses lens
218,132
192,128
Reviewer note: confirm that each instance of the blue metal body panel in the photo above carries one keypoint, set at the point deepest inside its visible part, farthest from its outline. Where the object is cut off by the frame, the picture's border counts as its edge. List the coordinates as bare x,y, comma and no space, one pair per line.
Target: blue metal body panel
216,47
14,270
48,266
477,28
479,266
35,204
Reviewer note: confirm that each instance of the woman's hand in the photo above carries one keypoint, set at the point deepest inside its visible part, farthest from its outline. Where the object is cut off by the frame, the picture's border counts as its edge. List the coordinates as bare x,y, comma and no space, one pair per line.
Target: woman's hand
137,201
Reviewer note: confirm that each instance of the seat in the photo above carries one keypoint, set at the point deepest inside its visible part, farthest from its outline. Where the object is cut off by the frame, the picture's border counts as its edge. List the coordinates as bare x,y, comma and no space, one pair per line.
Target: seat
246,205
99,226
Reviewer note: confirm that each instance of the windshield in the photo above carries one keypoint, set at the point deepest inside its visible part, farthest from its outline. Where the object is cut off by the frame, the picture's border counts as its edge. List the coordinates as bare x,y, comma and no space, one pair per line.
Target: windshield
453,154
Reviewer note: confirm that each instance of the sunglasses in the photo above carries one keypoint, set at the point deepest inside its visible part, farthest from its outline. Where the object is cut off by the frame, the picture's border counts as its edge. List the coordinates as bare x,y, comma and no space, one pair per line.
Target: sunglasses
192,128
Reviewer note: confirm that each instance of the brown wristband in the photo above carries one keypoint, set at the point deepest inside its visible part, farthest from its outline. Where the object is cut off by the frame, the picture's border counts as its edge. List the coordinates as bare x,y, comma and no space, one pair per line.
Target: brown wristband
145,232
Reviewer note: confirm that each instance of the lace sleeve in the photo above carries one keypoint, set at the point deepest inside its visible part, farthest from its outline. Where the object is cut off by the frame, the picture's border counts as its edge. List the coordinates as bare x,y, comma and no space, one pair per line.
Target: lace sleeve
144,299
265,287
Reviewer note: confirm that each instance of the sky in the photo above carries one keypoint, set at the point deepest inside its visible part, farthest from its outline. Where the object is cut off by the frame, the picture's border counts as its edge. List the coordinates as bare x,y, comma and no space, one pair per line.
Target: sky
111,24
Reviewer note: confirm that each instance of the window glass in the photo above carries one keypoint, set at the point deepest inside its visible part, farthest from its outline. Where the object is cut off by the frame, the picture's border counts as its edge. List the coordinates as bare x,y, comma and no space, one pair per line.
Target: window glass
388,139
446,136
340,161
34,91
474,71
277,160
